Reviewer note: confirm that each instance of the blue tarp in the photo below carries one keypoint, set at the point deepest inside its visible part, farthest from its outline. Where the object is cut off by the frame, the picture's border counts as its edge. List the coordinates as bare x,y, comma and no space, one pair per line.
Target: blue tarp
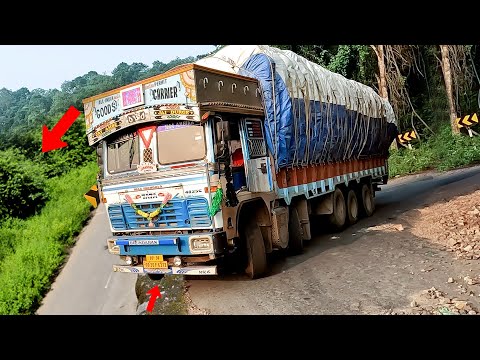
334,133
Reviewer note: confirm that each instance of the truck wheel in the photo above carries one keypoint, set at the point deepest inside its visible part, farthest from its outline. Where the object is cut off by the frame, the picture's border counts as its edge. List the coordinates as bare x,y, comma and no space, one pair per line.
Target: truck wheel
256,255
352,207
295,233
338,217
368,203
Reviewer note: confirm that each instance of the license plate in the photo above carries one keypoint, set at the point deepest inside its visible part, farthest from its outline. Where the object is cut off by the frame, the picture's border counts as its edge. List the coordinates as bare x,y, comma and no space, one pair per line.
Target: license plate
155,262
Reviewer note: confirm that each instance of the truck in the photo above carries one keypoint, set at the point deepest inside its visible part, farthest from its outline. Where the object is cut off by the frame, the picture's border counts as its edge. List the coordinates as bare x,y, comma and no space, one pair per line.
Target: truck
216,164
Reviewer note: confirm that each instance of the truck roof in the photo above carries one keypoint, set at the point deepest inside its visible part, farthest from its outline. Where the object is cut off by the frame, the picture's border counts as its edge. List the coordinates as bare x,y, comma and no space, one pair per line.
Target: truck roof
181,94
176,70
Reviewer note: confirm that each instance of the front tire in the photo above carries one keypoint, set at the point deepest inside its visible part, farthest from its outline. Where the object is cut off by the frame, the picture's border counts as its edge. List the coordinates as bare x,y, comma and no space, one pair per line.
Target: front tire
256,255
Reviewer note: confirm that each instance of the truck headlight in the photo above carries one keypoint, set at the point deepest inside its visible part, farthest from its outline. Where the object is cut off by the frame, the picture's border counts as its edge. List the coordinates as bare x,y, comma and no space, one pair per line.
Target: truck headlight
128,259
201,244
112,248
177,261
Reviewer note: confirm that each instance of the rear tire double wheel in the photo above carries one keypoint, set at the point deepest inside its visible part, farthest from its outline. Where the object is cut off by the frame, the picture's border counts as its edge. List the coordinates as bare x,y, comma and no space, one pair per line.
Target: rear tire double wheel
352,207
295,233
367,205
345,211
339,215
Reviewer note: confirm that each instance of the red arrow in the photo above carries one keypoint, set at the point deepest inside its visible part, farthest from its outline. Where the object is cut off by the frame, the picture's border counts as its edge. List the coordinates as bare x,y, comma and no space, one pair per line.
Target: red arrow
155,292
51,139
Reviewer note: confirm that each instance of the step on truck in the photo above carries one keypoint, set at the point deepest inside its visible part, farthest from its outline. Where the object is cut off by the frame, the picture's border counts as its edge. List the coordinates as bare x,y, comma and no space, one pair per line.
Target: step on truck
218,163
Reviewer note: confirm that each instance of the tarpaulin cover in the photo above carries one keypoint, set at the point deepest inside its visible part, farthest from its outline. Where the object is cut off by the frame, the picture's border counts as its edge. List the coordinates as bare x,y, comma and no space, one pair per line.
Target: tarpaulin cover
312,115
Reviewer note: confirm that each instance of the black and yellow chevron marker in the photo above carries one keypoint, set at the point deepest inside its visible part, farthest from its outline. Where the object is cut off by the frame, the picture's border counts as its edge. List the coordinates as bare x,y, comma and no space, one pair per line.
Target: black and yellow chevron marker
467,120
93,196
407,137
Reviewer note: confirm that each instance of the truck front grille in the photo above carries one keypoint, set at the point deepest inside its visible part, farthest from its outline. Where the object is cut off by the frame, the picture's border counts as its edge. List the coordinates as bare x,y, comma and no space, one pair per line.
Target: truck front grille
177,213
117,218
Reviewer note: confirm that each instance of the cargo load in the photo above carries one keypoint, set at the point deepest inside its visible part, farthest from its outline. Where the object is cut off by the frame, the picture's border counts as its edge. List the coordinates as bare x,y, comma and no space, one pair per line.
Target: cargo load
312,115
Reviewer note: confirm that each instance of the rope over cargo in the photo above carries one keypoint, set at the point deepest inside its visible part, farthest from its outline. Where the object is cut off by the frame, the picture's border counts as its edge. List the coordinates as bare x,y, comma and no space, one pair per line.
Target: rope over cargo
312,115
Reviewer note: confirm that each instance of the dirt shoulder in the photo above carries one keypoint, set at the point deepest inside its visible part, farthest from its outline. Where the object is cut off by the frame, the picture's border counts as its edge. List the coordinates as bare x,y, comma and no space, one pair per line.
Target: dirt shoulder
453,226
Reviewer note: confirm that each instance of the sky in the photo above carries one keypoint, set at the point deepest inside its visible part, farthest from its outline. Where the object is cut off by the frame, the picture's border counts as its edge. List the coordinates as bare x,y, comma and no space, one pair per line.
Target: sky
48,66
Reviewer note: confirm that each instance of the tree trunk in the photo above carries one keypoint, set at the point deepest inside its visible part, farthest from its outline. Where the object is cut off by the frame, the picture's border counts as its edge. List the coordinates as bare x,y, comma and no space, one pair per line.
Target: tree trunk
382,80
447,75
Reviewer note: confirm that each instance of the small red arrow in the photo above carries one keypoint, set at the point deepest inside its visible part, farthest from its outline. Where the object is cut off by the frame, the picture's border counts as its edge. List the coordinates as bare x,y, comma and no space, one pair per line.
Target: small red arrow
155,292
51,139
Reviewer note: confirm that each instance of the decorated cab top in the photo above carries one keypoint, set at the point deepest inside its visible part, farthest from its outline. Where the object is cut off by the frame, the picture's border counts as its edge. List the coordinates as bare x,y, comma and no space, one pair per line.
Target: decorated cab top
174,95
163,97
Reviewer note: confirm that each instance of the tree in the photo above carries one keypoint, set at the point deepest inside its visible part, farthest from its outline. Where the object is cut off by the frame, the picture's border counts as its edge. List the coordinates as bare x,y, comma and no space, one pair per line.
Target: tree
382,76
125,74
447,75
22,185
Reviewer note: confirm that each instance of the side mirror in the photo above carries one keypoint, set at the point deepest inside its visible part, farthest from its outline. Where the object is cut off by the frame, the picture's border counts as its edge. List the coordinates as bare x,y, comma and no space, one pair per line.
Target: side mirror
223,131
99,151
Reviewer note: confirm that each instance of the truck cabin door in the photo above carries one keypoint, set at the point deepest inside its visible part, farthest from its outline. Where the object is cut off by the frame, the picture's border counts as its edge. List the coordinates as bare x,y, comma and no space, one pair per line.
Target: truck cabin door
254,149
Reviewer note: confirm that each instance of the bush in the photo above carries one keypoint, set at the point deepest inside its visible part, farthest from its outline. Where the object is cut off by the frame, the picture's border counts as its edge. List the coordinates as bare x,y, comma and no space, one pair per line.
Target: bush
41,242
8,237
443,151
22,185
76,154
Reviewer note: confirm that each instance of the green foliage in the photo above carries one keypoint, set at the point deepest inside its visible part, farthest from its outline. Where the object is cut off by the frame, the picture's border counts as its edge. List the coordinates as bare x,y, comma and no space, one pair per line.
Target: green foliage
31,250
8,237
404,161
455,150
443,151
22,185
341,61
40,242
76,154
357,62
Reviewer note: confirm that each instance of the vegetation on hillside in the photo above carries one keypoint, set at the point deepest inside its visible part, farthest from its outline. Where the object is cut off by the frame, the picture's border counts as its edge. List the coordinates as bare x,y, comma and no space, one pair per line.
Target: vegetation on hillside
42,207
41,194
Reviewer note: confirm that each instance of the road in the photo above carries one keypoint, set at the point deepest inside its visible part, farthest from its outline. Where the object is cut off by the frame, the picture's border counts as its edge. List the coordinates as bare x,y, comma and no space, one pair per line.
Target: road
344,275
353,272
86,285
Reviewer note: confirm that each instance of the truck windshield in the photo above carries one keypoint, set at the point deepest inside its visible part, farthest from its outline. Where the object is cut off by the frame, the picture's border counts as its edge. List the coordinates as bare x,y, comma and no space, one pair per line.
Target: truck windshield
180,142
123,154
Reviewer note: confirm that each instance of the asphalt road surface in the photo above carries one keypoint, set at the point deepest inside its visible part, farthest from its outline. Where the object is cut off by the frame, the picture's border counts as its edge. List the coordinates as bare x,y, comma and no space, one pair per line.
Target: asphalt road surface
353,272
333,275
87,285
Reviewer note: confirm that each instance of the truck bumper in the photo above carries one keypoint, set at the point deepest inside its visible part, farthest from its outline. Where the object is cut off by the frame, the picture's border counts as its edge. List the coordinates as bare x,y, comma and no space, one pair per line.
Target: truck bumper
181,245
172,270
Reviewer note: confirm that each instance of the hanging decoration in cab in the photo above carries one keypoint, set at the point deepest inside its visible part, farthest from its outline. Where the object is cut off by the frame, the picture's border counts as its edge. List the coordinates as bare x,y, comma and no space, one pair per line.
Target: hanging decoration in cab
216,201
153,214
